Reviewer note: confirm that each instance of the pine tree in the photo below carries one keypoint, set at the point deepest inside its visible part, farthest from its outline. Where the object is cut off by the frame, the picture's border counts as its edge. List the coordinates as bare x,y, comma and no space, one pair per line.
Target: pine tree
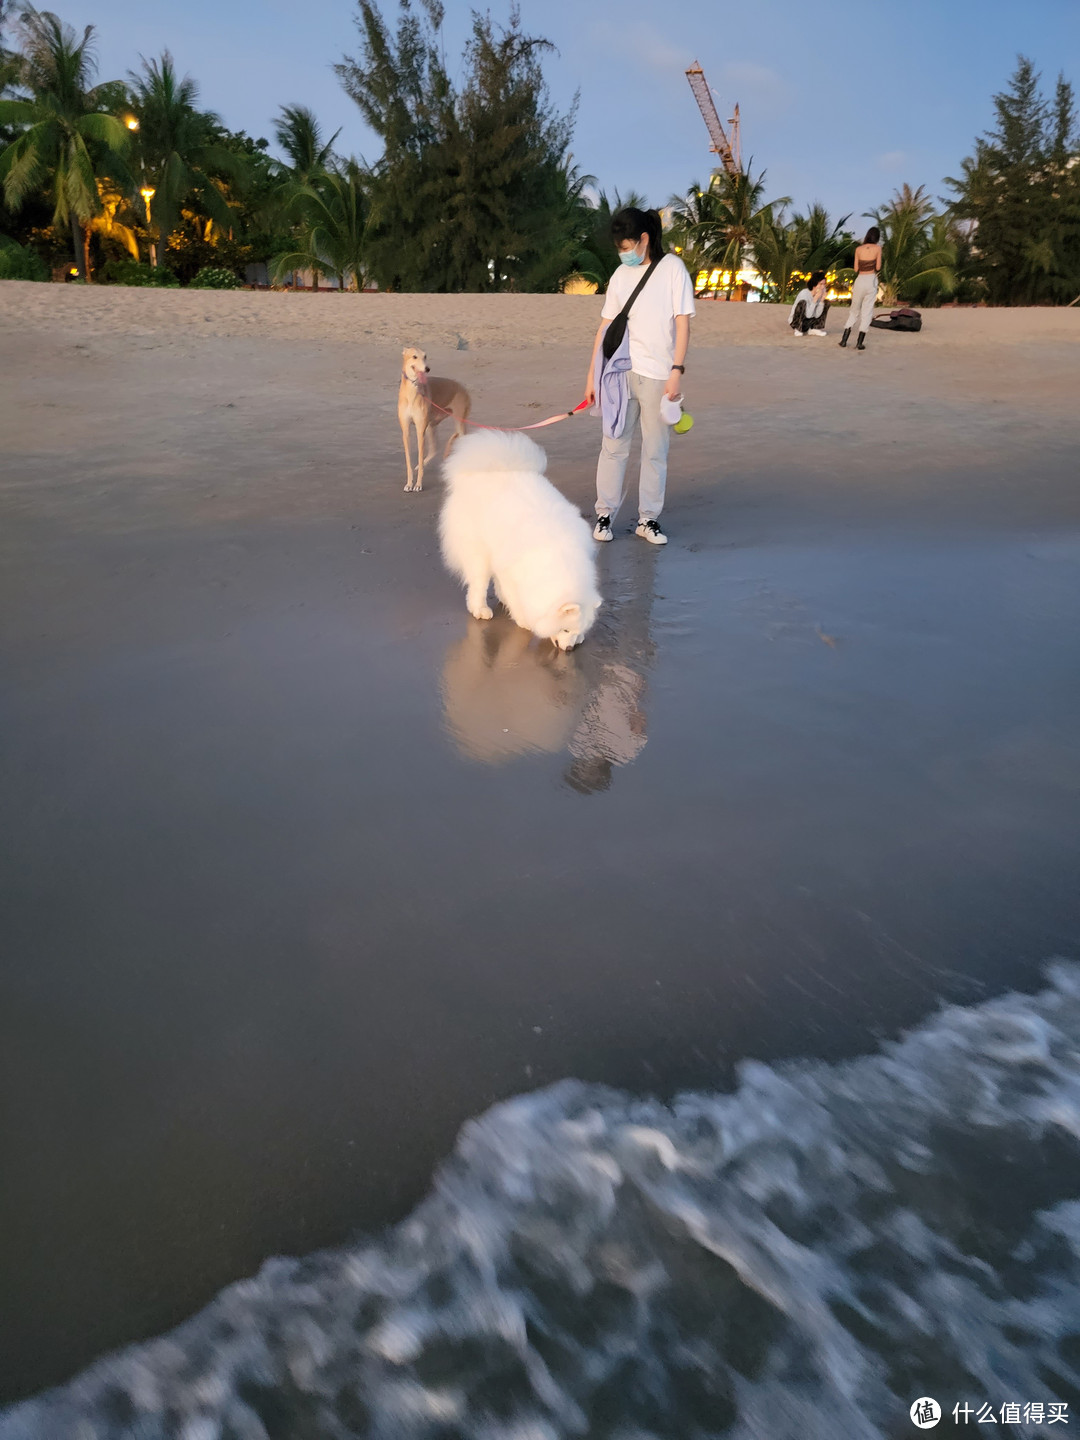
1022,191
403,92
516,146
473,189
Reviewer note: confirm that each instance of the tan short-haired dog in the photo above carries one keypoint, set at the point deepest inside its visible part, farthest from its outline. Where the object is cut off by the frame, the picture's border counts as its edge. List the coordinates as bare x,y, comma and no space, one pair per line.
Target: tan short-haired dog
423,400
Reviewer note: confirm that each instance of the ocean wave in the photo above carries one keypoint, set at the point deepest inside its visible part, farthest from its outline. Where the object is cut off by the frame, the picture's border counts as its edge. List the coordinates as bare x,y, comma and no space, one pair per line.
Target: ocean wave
802,1257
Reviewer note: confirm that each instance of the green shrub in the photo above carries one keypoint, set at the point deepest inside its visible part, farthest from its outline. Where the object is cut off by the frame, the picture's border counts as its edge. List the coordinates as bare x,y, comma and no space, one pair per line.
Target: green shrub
133,272
216,277
18,263
187,255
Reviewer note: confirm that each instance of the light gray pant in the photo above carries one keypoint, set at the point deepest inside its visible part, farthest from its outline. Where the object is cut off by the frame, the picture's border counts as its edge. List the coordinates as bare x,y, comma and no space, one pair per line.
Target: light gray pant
863,295
644,405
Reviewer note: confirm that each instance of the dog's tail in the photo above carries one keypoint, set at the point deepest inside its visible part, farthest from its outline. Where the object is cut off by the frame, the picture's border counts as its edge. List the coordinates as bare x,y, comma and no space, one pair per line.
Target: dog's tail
494,452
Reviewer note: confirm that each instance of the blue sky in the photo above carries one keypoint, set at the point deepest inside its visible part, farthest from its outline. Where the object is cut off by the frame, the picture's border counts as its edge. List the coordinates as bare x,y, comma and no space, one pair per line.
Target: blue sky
837,106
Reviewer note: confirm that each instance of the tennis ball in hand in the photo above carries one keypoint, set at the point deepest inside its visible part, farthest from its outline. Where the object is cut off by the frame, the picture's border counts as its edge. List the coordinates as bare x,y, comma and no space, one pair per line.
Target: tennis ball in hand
684,423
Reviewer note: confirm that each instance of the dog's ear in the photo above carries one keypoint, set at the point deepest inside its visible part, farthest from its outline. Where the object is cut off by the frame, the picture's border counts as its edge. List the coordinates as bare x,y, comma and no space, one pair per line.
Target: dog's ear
568,612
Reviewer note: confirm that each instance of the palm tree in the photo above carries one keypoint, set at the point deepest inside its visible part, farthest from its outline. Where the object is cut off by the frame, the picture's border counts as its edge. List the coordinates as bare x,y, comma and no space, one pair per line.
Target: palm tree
779,251
300,136
66,138
918,250
596,259
823,242
785,250
332,211
693,228
716,226
739,212
113,221
183,162
559,222
9,61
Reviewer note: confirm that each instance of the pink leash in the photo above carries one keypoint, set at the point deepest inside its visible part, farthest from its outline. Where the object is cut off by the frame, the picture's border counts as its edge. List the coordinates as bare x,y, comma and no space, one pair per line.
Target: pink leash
537,425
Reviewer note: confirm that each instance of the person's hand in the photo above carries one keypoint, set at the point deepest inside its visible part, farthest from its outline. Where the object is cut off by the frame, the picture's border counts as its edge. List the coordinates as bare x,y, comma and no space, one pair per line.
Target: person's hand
590,393
673,388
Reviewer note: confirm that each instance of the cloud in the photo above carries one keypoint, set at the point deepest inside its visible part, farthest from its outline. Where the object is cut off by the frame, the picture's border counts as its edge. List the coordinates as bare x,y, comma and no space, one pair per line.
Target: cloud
645,44
892,161
754,86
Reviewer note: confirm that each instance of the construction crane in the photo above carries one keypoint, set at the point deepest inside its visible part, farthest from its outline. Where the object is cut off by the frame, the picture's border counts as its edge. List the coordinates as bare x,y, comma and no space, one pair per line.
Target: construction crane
728,150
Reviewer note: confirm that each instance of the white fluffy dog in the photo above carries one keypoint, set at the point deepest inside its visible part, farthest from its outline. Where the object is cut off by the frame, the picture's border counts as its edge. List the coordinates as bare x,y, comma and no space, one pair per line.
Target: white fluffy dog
503,521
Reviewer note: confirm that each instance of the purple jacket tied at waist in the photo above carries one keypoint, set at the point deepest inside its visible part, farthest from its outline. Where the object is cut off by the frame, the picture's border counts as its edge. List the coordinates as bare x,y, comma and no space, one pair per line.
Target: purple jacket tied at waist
611,381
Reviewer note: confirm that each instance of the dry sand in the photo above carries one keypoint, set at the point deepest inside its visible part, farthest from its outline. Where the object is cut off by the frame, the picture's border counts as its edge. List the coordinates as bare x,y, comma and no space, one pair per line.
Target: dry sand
505,322
306,868
119,390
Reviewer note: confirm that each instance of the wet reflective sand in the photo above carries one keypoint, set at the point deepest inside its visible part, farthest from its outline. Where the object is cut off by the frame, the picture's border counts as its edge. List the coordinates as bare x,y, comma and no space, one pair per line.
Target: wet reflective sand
304,867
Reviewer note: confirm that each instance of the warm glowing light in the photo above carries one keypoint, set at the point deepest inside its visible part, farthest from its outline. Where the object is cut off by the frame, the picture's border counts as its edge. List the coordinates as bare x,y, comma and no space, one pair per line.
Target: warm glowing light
148,192
132,123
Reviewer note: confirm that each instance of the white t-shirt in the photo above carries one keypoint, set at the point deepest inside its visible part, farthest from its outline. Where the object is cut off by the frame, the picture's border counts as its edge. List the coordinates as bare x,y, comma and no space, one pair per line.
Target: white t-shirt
651,322
813,307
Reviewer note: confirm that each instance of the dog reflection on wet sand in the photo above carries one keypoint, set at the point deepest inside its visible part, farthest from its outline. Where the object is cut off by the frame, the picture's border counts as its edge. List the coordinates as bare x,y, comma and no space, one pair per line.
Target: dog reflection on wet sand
506,695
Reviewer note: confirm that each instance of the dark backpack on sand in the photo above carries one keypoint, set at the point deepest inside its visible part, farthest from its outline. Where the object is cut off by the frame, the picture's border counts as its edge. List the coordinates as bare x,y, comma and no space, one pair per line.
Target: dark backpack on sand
904,319
613,335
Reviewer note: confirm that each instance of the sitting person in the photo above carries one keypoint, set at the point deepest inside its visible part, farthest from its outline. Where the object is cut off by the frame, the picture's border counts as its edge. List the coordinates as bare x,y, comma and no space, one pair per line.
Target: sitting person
808,313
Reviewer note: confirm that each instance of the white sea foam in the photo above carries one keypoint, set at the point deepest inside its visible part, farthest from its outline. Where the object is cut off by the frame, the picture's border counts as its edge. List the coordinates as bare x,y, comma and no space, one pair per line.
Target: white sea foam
800,1258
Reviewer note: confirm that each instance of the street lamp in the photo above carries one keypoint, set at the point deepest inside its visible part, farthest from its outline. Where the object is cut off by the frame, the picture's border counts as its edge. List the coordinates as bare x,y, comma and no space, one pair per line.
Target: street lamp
148,192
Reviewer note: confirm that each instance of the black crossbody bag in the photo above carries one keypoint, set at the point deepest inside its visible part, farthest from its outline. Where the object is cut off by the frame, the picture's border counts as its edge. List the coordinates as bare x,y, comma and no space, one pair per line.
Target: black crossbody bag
613,335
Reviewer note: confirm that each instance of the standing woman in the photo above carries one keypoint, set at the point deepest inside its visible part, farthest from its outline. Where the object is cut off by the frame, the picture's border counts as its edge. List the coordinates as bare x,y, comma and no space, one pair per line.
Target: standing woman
864,291
659,330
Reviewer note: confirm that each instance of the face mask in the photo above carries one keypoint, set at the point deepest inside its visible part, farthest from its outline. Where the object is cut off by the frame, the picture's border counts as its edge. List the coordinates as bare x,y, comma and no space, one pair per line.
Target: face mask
631,257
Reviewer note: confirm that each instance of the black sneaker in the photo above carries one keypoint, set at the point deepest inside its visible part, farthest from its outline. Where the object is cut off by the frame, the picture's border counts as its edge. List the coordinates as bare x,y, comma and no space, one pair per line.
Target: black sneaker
650,530
602,528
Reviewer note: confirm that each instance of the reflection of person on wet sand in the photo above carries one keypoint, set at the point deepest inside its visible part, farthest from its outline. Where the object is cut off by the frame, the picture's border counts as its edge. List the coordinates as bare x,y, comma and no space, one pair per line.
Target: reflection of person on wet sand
611,731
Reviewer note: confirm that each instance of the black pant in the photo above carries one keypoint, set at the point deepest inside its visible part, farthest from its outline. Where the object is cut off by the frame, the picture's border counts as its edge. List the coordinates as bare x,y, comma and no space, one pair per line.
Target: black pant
800,322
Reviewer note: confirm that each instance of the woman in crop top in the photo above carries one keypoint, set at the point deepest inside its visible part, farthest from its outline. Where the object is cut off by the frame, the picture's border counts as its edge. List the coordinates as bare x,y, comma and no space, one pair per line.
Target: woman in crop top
864,291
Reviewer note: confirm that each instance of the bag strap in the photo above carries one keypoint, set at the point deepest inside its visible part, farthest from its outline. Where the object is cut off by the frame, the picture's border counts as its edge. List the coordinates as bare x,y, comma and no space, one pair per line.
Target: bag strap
625,311
616,329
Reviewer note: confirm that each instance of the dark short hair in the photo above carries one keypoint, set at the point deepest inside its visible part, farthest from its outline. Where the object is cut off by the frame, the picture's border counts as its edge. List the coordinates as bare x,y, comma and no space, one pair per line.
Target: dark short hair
872,236
589,774
816,278
631,223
